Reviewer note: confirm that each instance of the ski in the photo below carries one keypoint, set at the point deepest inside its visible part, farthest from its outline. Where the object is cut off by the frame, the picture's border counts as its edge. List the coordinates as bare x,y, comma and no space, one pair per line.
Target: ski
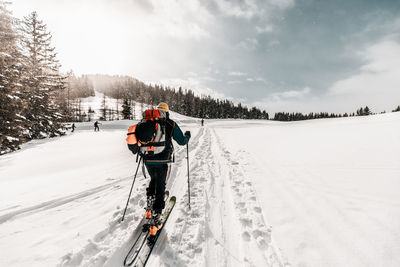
140,240
144,254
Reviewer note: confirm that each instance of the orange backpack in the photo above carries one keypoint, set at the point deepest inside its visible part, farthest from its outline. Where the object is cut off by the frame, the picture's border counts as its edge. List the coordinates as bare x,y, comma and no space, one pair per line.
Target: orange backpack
158,144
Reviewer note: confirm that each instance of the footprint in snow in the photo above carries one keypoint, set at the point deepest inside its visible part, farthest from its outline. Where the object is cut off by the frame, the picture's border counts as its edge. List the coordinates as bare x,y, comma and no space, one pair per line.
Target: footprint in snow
246,222
257,209
241,204
246,236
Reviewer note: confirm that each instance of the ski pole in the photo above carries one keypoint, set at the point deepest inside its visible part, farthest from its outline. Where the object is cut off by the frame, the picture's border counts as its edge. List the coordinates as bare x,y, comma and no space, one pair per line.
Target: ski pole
187,157
130,192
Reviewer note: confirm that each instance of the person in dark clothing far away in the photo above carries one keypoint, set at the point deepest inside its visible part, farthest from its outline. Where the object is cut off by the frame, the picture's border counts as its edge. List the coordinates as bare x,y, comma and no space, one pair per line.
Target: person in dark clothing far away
73,127
96,126
202,122
152,139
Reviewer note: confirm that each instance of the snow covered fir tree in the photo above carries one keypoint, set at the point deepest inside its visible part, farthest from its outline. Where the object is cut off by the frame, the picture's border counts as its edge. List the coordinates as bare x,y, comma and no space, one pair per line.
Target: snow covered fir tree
41,82
11,120
29,83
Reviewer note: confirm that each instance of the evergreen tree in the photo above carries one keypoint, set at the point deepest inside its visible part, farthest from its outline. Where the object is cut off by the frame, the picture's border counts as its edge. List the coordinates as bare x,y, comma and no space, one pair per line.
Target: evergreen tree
126,109
10,69
42,81
367,111
133,103
104,108
90,113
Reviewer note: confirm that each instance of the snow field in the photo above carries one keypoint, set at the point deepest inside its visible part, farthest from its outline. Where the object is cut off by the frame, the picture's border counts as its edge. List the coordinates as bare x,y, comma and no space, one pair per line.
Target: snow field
54,202
329,187
263,193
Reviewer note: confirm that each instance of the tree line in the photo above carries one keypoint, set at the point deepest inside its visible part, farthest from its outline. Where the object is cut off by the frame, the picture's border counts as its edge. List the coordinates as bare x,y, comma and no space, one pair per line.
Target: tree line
297,116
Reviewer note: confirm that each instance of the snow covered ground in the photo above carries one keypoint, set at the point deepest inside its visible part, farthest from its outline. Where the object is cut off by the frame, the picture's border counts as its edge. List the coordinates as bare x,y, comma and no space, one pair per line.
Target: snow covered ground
312,193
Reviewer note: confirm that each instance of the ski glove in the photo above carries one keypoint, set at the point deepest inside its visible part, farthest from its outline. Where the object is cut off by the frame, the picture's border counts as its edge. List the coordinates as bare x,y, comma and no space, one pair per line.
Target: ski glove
134,148
187,133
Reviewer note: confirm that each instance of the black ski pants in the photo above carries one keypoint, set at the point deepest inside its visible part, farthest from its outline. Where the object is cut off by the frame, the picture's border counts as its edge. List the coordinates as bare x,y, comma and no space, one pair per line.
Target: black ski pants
158,178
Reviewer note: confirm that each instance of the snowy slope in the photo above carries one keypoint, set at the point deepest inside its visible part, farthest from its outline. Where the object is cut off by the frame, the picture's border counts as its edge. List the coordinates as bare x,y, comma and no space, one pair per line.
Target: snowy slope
312,193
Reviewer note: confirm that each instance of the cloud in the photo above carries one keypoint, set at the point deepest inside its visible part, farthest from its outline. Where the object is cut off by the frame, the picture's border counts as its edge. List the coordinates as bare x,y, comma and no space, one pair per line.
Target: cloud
376,84
249,9
378,79
290,101
246,9
236,73
193,82
234,82
265,29
291,94
282,4
248,44
274,43
179,19
144,4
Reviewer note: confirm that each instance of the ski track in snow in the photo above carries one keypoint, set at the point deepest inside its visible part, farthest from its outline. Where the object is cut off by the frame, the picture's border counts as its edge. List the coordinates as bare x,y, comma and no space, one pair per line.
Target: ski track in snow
223,201
57,202
117,235
255,233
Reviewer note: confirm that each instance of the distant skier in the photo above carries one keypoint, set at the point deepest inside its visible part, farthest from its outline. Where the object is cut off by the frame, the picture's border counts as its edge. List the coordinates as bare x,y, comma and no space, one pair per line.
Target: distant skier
96,126
73,127
202,122
152,139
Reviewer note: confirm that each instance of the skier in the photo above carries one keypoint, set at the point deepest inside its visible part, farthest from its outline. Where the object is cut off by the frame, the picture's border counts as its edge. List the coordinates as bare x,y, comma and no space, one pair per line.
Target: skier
73,127
96,126
202,122
152,139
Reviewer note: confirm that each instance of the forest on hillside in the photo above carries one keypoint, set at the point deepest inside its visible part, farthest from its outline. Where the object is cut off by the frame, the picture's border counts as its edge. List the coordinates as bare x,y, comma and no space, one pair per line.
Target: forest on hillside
129,90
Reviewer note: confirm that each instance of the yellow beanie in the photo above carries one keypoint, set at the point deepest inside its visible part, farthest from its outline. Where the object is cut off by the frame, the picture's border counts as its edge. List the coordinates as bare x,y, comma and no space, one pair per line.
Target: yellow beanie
163,106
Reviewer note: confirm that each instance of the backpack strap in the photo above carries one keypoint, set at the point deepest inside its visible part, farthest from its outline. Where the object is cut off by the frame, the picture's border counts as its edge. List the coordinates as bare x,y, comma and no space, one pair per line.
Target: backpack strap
154,144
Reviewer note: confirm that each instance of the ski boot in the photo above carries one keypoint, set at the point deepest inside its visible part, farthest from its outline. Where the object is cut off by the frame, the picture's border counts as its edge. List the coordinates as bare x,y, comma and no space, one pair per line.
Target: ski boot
155,225
146,225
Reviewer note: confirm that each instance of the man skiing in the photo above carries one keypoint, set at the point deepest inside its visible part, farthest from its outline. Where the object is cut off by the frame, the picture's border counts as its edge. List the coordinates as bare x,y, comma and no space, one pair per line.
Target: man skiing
152,139
96,126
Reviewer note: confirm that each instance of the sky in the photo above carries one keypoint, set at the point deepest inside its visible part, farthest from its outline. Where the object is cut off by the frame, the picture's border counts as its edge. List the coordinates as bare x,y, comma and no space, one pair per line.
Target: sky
278,55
